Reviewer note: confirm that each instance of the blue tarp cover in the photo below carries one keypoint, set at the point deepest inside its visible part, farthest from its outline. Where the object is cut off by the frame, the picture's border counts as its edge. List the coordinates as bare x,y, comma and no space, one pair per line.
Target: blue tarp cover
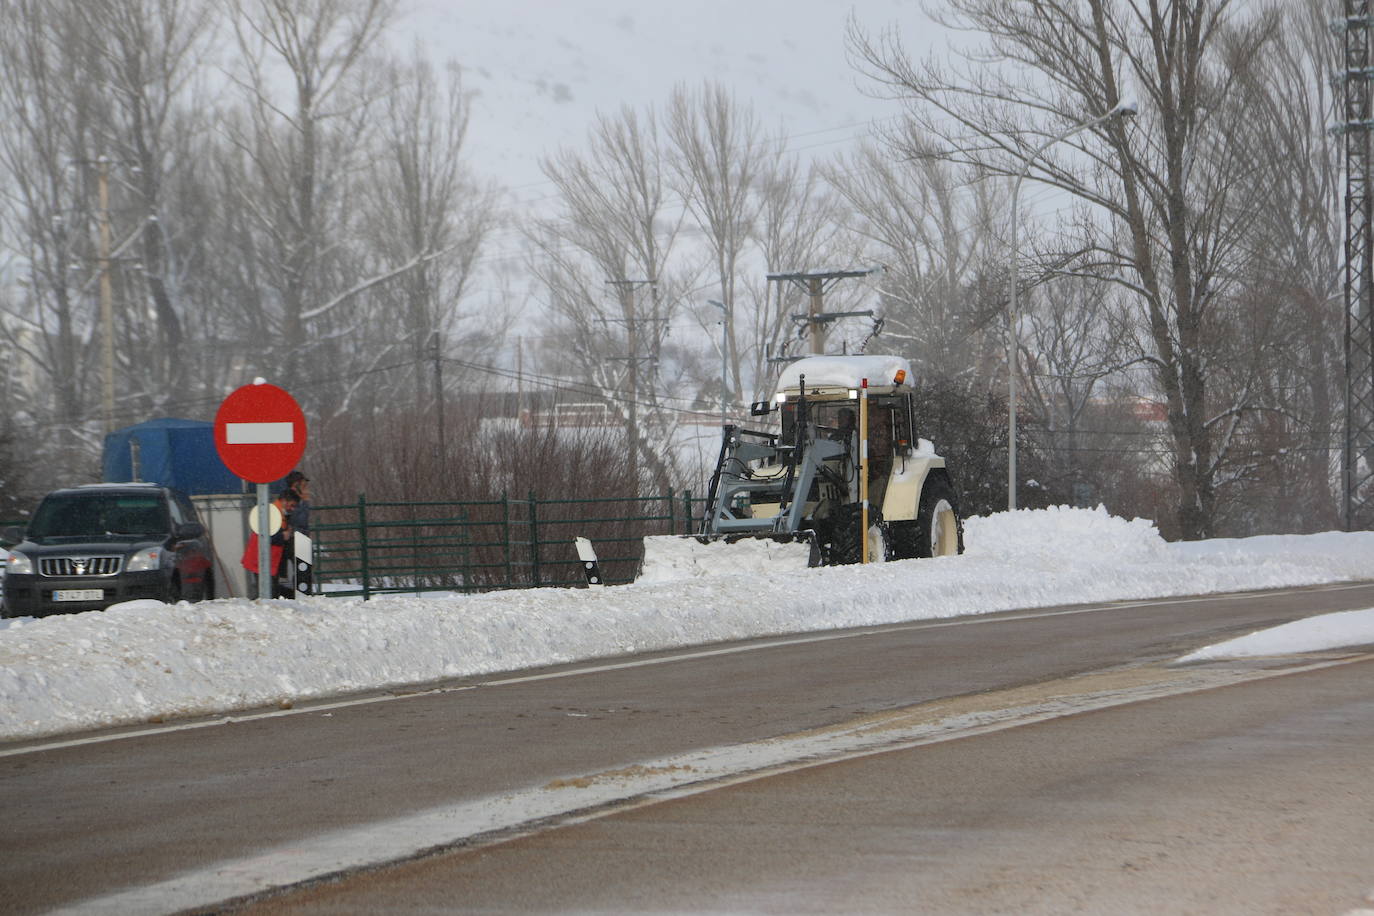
171,452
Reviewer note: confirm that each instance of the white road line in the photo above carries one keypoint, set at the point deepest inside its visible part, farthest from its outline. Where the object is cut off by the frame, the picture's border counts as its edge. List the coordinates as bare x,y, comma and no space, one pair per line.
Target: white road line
311,708
575,800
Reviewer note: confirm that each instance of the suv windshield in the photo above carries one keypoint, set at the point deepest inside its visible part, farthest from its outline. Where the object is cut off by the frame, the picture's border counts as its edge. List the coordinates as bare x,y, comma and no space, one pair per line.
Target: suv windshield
99,514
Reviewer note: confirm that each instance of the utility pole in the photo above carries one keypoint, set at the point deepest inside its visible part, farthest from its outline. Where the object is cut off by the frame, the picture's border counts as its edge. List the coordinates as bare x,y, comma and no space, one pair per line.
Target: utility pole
106,290
1357,459
815,283
724,355
1120,110
815,297
627,288
438,388
106,255
520,376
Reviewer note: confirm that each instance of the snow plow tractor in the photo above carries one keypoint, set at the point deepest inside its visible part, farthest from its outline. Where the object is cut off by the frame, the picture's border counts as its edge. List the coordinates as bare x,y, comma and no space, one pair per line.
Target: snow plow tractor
843,478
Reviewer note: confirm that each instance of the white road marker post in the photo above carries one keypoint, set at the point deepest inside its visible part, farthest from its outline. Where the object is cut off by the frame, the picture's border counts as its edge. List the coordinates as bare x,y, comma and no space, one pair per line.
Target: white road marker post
590,565
863,471
303,549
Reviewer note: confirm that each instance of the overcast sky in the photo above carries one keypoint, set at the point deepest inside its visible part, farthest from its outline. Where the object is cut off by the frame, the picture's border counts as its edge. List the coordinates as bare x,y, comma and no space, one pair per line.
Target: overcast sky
541,69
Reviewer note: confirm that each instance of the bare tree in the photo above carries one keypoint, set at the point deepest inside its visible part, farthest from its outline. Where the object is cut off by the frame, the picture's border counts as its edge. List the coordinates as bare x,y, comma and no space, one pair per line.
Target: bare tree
1079,332
426,219
322,233
718,152
604,264
1164,183
50,218
800,225
18,472
297,157
146,52
758,211
1286,308
933,231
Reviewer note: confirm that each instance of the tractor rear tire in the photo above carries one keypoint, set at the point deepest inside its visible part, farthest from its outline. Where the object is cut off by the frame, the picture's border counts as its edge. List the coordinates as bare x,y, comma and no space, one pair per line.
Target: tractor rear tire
939,528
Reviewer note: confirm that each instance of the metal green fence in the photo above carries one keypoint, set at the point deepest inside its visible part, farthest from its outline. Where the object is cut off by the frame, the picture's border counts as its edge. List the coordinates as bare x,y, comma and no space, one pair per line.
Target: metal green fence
372,547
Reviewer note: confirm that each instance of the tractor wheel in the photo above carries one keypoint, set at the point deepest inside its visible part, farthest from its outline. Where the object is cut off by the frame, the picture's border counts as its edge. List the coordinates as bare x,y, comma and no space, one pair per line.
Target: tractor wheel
880,543
840,545
838,537
939,529
904,539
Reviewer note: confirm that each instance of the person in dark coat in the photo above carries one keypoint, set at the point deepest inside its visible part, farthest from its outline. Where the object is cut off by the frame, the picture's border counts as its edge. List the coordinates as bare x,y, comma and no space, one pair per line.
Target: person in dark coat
300,520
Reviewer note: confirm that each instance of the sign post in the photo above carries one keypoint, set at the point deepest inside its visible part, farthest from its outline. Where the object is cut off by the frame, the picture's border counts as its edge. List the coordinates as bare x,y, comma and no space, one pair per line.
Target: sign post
260,436
265,571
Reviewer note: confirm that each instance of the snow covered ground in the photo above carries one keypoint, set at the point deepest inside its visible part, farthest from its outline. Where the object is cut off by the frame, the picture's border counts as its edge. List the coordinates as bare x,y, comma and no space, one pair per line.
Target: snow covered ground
145,660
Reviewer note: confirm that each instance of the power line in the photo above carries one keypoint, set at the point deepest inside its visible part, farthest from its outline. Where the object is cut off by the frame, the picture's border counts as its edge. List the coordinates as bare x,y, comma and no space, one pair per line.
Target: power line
585,389
205,401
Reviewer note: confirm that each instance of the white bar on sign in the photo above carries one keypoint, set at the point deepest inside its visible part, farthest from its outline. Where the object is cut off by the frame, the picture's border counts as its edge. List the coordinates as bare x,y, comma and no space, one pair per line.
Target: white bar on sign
259,433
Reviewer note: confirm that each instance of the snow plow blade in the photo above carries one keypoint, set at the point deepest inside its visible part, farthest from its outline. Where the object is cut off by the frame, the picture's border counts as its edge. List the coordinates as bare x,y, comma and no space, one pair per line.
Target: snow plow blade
691,556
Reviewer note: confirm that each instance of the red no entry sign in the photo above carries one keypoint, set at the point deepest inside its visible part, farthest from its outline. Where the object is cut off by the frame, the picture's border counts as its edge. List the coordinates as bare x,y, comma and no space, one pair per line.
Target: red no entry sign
260,432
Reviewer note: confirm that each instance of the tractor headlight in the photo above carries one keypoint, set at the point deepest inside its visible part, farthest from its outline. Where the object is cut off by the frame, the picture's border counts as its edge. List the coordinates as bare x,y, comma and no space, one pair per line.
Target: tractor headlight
145,560
18,563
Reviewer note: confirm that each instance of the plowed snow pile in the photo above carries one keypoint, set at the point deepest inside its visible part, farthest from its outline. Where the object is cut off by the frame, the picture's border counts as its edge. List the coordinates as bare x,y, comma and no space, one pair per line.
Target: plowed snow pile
670,557
145,660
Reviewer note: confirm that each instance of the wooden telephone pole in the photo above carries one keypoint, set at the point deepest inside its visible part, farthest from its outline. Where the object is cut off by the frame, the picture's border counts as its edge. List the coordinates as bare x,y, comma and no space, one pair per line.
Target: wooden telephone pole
631,320
816,283
106,290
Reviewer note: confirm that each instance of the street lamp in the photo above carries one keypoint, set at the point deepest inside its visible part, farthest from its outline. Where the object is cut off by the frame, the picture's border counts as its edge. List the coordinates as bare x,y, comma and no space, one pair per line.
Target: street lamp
724,355
1122,109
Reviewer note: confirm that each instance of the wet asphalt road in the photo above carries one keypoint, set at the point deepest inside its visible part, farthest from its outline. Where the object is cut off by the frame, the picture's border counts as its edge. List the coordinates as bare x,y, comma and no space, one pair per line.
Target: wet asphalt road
1250,799
84,821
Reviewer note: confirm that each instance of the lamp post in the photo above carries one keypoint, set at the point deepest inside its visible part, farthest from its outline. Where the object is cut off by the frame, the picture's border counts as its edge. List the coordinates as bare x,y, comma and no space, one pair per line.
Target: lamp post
724,356
1122,109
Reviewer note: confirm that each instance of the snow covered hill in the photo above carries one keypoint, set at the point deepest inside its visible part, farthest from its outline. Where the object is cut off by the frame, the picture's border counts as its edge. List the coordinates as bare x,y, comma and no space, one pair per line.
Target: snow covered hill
144,660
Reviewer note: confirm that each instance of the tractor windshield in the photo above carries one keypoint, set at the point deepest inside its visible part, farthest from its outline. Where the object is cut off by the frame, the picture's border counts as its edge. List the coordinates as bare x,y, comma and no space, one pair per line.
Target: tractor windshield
833,419
888,422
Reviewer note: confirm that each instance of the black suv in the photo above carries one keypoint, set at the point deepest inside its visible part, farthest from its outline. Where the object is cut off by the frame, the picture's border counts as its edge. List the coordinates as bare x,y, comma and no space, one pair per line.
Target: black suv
89,547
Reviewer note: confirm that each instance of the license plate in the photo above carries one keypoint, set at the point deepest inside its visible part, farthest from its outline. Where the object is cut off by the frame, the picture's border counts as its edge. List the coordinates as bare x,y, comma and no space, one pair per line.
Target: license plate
78,594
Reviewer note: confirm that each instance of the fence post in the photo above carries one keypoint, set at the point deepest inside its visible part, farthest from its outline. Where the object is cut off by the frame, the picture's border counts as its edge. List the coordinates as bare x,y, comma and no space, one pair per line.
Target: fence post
362,544
505,526
415,552
687,510
534,538
672,518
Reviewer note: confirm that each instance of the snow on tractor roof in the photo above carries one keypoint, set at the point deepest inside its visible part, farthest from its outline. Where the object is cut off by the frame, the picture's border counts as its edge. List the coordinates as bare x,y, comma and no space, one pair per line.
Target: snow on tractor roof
845,372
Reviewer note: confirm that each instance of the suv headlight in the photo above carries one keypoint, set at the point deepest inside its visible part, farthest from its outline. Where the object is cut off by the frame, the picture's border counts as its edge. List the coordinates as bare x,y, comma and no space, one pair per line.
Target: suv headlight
145,560
18,563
